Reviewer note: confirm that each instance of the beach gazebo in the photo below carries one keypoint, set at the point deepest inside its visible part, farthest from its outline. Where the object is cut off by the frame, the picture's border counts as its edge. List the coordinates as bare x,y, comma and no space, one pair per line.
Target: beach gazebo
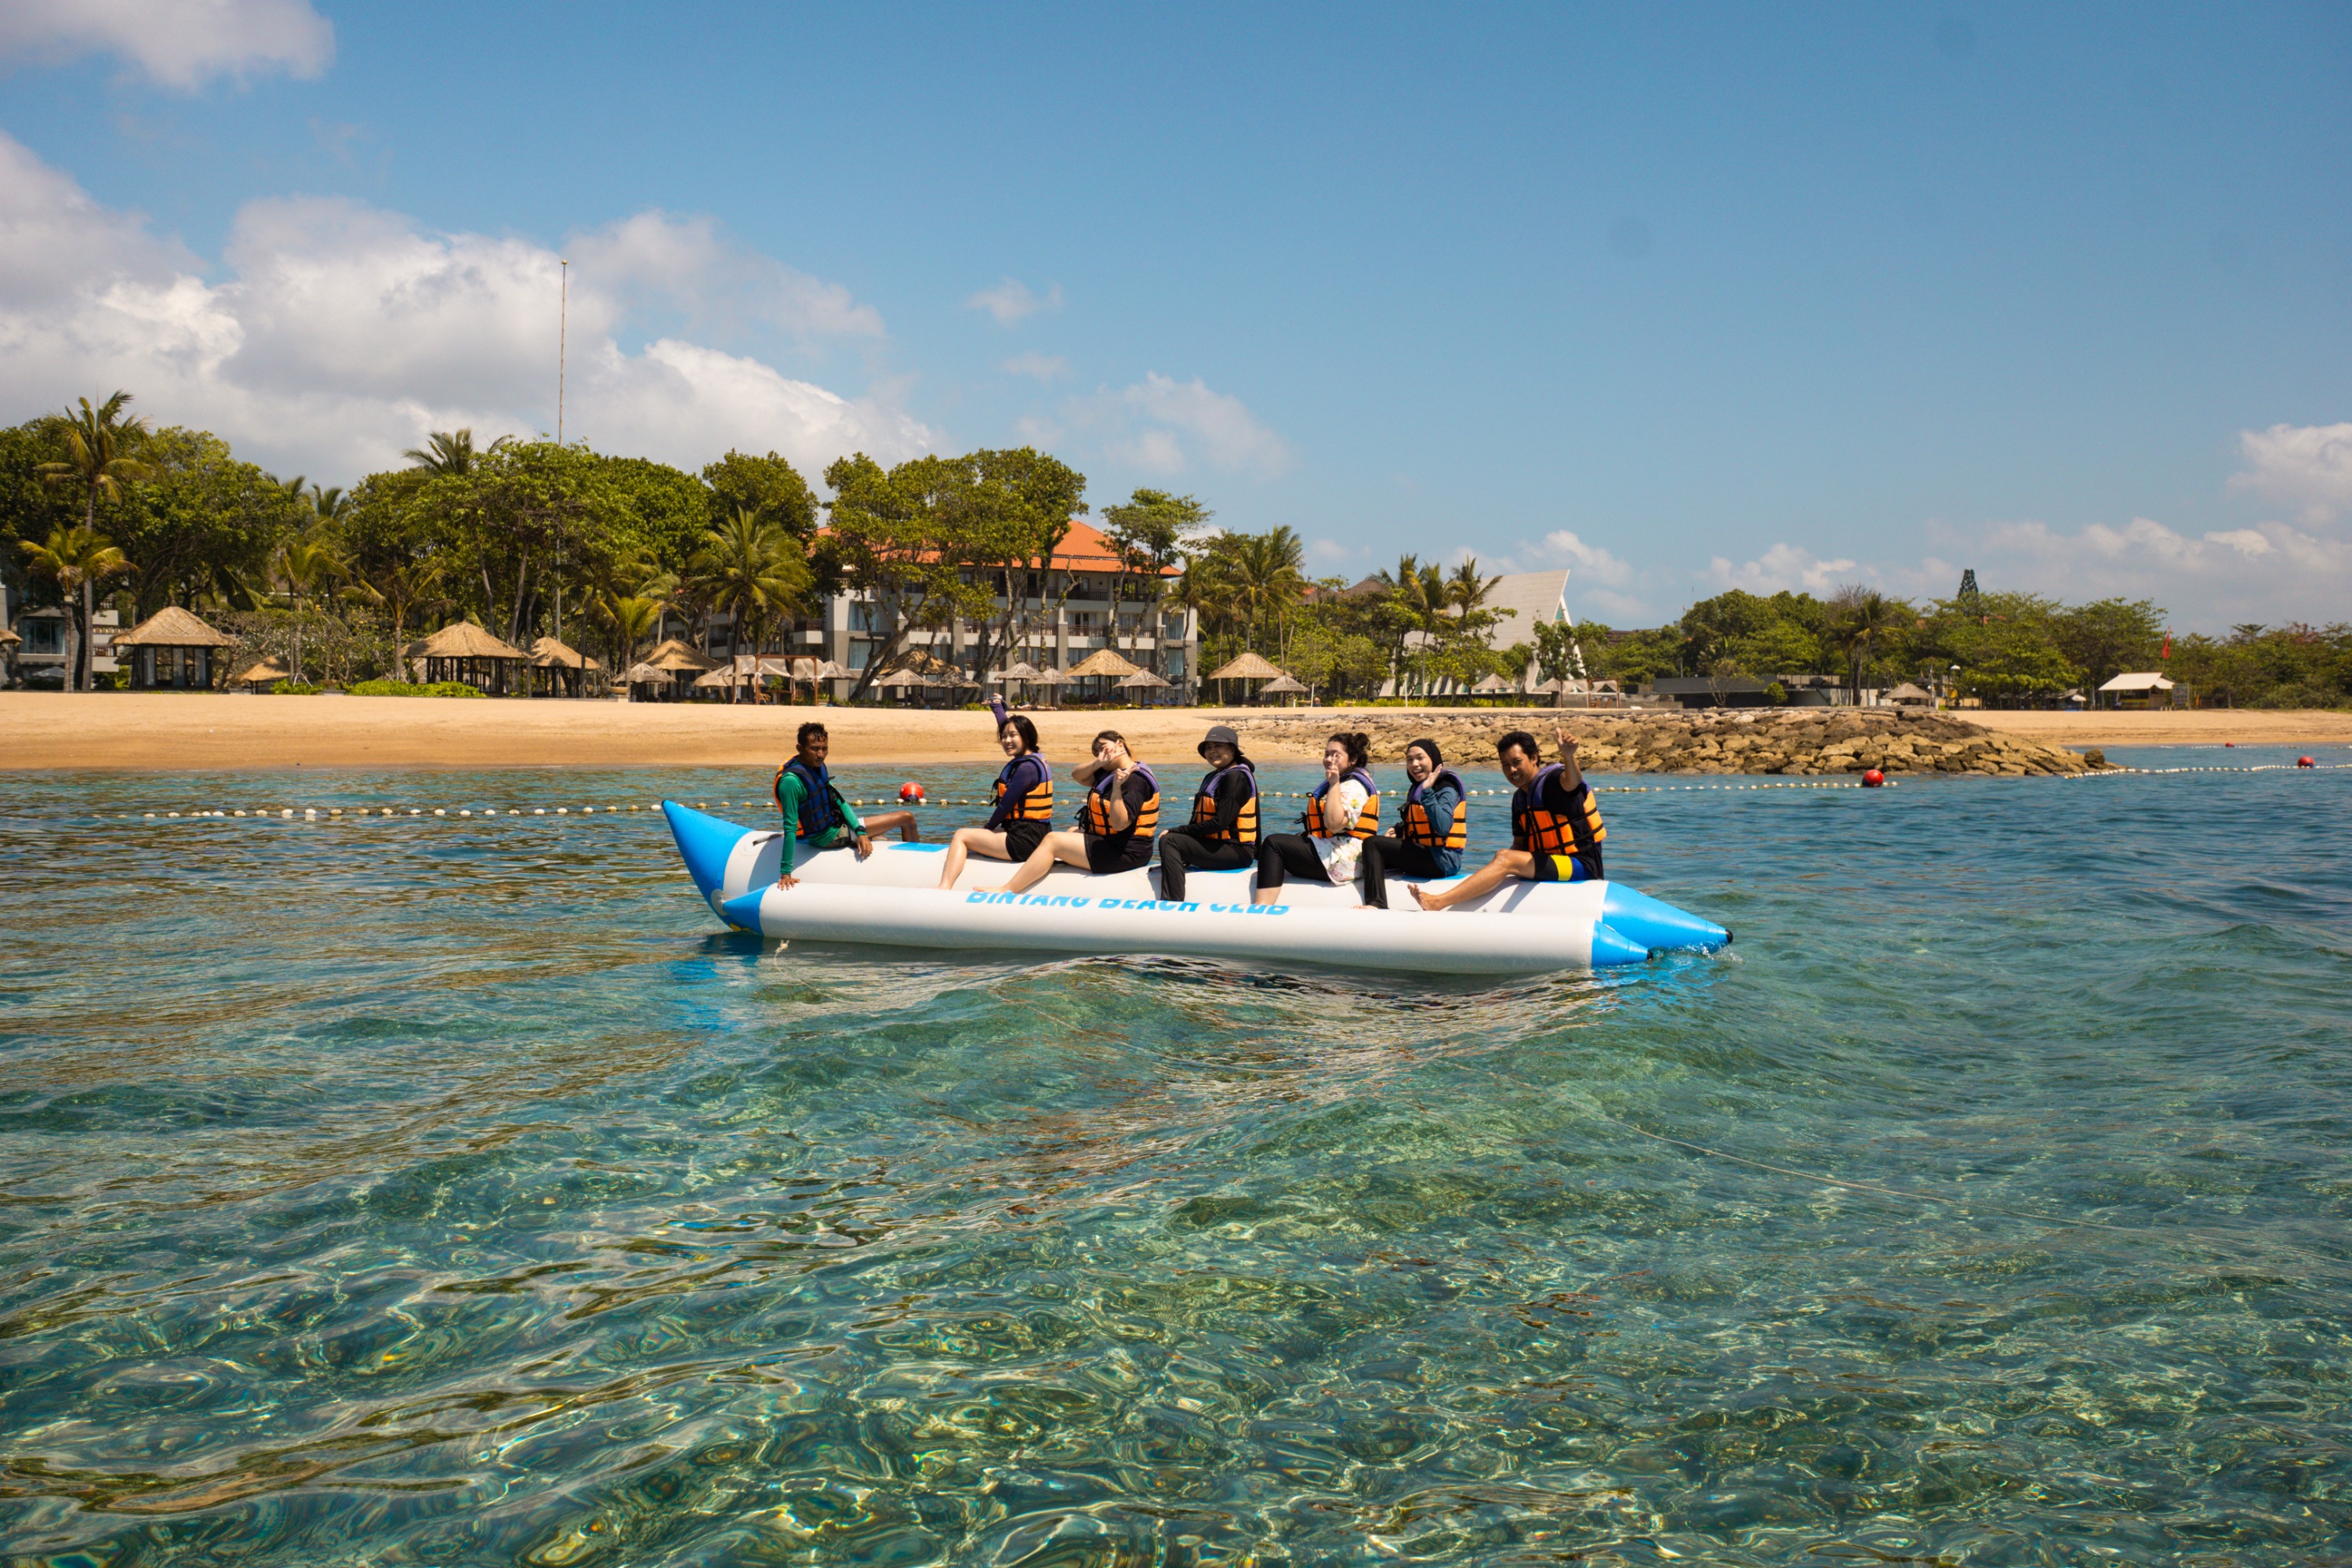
2139,689
1285,687
172,650
1493,685
1910,696
564,669
262,674
679,661
1248,667
648,683
1104,665
464,652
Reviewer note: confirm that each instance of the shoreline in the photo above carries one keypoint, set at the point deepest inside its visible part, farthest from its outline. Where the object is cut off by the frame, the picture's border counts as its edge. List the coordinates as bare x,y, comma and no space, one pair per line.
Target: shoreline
217,731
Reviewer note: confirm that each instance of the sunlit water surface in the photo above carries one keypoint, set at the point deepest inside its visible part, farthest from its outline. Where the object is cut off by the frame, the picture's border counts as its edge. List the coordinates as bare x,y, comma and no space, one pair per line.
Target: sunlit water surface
448,1190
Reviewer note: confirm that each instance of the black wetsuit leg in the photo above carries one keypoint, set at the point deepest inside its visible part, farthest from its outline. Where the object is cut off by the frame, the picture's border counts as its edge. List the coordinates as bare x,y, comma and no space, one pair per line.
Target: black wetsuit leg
1181,851
1288,853
1382,856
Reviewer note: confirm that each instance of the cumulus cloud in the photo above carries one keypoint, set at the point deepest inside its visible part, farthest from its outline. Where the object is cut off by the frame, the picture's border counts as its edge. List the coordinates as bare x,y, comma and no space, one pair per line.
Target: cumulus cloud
1783,567
1012,300
1164,427
2304,465
341,333
1591,560
180,43
2268,571
689,264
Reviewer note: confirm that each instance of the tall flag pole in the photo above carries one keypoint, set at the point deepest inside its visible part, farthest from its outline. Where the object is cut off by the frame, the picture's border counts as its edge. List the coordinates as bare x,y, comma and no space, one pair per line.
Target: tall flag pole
563,343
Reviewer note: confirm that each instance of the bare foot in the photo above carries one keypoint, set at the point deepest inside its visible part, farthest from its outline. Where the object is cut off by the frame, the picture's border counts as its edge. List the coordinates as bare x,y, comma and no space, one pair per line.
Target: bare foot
1425,900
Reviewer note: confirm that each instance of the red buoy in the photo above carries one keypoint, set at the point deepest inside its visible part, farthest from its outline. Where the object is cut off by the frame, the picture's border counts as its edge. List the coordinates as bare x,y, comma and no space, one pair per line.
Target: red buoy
1873,779
910,792
2305,762
2232,745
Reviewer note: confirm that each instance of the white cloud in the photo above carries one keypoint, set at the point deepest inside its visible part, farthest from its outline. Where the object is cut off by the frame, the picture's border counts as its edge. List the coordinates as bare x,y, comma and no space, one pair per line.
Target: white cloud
1591,560
2306,465
1616,609
343,334
1163,426
1329,553
1784,567
1011,301
180,43
689,264
2270,572
1045,367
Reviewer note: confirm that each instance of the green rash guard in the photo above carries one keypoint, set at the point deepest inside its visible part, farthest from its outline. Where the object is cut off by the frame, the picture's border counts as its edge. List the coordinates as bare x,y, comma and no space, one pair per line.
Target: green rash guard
789,793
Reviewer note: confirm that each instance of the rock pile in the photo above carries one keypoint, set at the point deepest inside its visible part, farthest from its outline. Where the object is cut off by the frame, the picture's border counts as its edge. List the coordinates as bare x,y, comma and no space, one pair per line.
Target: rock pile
1799,742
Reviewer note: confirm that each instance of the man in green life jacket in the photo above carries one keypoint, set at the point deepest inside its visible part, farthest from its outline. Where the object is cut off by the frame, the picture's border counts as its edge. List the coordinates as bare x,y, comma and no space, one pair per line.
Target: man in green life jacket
814,811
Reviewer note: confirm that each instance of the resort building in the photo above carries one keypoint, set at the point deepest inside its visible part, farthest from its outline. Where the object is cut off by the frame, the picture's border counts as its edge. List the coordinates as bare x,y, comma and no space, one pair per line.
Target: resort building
1083,600
41,656
1526,598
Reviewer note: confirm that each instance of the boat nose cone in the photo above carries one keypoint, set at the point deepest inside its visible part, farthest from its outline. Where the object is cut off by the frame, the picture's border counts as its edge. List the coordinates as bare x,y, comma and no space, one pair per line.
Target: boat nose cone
704,843
1654,923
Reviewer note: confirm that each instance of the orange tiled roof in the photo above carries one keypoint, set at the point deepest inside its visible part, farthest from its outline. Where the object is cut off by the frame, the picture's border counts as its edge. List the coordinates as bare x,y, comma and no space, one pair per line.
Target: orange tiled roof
1085,548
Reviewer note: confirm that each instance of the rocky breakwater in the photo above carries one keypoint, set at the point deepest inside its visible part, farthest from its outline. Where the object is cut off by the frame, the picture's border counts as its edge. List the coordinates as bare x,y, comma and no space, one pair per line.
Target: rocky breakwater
1803,742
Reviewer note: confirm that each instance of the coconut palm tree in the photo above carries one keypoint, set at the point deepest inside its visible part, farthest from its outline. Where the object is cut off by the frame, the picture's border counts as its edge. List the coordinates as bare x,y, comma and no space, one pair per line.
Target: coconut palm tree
1422,592
406,585
330,503
309,569
1263,579
77,559
1861,620
752,569
447,452
634,618
99,445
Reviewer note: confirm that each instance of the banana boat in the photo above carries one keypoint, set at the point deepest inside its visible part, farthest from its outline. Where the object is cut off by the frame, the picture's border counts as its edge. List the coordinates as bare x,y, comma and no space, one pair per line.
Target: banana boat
891,898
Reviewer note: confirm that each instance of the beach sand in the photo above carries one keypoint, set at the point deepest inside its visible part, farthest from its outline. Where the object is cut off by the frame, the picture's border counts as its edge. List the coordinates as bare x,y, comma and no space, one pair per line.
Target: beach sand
187,731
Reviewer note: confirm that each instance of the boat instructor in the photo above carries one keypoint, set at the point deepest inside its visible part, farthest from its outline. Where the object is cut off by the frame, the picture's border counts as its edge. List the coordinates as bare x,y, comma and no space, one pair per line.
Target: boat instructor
813,808
1556,830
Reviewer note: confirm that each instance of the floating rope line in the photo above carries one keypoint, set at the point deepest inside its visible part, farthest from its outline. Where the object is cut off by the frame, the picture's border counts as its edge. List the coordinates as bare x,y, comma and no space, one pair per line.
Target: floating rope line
364,813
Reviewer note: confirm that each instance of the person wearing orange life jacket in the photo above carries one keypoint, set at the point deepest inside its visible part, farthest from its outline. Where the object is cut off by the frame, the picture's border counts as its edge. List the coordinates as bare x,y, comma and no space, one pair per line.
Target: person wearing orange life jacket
1432,828
1116,819
1024,813
1223,833
1344,811
813,808
1556,828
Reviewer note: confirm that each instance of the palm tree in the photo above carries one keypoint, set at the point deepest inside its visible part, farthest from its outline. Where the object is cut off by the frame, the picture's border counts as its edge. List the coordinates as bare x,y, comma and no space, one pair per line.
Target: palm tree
1860,619
752,569
406,585
77,559
1423,592
448,452
330,503
307,569
1262,578
634,620
99,443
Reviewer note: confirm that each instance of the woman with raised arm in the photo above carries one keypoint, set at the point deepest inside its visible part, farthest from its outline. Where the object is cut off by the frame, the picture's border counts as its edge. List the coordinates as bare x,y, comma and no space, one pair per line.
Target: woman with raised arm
1432,830
1344,811
1223,833
1023,814
1116,823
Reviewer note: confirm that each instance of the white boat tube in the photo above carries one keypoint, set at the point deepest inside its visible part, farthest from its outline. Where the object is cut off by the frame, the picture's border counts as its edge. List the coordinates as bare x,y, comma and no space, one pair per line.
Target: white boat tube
891,898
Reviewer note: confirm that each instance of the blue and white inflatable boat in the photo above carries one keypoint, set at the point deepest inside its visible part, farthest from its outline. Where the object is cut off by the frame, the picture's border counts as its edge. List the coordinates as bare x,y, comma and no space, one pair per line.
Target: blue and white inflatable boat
891,898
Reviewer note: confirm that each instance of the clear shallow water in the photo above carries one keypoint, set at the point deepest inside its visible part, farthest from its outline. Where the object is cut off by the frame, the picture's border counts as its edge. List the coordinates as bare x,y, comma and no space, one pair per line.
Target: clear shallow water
448,1191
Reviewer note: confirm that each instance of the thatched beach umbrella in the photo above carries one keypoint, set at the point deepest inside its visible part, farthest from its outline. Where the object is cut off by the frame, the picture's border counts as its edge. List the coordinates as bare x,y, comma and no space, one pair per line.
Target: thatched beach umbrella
1141,681
565,666
1248,667
262,674
1282,685
1104,665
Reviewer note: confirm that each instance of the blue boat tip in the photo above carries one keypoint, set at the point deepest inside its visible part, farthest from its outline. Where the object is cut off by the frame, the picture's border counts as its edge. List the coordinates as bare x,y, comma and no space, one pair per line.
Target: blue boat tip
1656,924
704,843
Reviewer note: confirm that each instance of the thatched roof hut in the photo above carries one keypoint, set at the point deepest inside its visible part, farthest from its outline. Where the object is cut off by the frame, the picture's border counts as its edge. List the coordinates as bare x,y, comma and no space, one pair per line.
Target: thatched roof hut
1249,667
464,652
677,656
172,649
262,673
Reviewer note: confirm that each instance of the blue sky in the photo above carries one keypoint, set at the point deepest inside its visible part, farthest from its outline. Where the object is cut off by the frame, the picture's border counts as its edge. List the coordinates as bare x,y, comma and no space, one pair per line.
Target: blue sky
1680,298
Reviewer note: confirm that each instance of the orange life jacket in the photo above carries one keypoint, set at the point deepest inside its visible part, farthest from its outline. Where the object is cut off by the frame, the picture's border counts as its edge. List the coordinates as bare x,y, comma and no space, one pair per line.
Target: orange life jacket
1096,818
1550,832
1367,820
1204,808
1414,825
1036,803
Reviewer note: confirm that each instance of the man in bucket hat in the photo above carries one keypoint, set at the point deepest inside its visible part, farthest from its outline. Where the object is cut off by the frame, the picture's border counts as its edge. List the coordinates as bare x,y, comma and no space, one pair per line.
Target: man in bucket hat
1223,833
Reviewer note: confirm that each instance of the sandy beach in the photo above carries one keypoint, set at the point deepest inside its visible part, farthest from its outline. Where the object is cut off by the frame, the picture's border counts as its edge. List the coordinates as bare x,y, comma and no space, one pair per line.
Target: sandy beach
185,731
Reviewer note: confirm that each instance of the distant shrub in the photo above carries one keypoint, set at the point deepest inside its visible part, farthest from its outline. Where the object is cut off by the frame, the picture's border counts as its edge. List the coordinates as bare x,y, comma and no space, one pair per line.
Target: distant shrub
412,689
293,689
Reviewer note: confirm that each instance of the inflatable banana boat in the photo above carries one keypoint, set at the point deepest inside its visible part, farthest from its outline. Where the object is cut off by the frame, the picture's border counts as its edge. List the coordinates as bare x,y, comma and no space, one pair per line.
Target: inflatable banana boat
891,898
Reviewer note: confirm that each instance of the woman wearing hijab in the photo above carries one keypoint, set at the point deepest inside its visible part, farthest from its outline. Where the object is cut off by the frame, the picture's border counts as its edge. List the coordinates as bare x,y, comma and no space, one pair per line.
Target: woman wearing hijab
1344,811
1432,830
1023,814
1223,833
1115,821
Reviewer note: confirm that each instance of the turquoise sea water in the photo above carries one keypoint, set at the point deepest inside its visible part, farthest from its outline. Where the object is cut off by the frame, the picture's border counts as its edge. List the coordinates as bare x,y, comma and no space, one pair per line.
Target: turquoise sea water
448,1190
